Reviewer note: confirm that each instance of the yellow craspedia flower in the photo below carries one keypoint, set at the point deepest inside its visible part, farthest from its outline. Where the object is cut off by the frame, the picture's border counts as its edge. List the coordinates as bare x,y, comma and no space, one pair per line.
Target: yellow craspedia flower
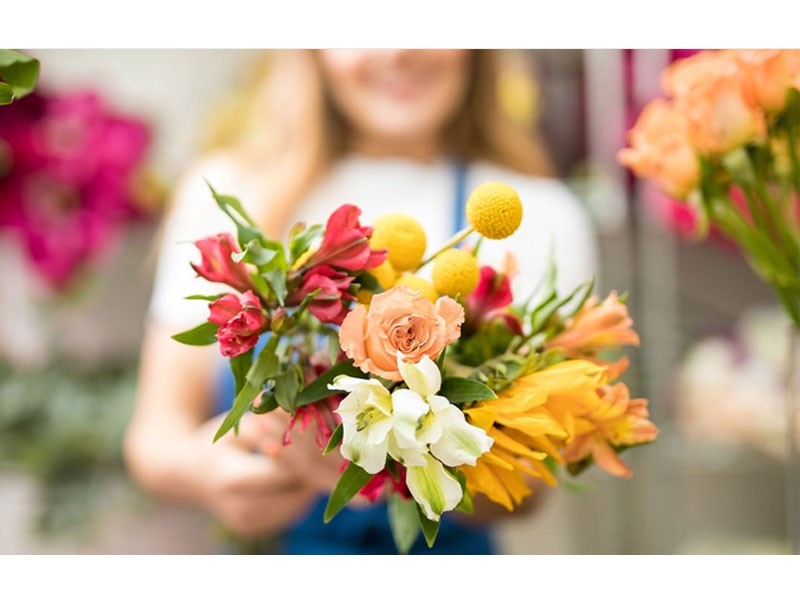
403,237
494,210
455,273
418,284
364,297
385,274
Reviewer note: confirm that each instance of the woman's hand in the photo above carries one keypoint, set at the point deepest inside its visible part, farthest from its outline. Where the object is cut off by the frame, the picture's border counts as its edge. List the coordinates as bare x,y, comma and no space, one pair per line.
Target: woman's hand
254,484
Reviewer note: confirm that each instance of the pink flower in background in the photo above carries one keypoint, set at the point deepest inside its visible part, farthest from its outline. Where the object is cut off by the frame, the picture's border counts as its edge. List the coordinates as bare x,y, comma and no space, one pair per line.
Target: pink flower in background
240,321
65,178
217,264
375,486
346,243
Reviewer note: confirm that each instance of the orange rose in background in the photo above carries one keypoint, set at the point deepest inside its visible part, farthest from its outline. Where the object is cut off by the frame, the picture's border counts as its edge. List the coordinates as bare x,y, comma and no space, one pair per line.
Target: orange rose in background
712,92
685,75
770,74
399,320
722,115
660,150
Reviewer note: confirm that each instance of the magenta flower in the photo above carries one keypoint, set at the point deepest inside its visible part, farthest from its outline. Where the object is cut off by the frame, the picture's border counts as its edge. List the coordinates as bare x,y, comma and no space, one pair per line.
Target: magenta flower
65,172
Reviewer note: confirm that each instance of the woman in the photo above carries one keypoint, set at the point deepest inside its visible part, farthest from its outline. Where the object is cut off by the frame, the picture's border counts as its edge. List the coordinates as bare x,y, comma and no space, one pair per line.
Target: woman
388,130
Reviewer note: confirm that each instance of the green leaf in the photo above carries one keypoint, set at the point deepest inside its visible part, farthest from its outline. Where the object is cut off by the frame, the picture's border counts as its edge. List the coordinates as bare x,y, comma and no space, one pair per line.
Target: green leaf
403,521
368,281
205,297
19,72
318,389
277,281
544,312
264,368
466,505
336,438
300,242
350,483
6,94
256,254
202,335
430,529
462,391
240,365
287,384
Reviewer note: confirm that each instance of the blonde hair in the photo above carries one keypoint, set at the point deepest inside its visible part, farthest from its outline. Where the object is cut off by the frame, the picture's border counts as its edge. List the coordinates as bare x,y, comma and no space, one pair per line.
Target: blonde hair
286,129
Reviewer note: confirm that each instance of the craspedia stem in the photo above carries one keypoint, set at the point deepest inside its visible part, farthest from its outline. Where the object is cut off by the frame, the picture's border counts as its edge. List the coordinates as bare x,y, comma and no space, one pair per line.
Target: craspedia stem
456,239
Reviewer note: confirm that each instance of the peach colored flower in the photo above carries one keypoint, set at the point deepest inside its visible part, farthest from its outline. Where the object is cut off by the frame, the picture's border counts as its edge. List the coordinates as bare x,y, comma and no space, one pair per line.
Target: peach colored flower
399,320
769,75
712,92
722,115
660,149
595,327
616,422
683,76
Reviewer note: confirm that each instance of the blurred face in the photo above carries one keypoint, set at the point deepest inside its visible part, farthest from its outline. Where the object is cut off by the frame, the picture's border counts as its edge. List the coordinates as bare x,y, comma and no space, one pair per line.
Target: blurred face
396,96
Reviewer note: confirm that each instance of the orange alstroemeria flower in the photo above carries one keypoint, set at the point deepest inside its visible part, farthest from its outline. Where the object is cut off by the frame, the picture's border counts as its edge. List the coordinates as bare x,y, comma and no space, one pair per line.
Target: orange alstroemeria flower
617,421
597,326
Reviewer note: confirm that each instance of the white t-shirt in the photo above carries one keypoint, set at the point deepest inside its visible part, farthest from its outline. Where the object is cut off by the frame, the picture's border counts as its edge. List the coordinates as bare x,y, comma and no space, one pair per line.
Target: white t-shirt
552,219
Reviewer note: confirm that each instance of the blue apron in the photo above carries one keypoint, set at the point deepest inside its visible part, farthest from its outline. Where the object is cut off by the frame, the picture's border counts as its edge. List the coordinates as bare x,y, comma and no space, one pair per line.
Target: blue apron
366,530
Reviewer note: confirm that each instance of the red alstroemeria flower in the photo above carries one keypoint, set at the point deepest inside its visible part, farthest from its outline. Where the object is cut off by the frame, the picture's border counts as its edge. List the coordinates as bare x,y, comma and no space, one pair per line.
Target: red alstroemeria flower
375,486
329,287
240,321
217,264
345,244
489,300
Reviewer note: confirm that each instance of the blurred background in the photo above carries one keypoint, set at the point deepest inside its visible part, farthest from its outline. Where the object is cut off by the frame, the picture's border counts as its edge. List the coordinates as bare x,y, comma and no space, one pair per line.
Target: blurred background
76,278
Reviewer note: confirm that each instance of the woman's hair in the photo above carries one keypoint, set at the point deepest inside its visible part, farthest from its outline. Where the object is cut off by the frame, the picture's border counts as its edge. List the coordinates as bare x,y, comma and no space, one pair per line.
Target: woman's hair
287,130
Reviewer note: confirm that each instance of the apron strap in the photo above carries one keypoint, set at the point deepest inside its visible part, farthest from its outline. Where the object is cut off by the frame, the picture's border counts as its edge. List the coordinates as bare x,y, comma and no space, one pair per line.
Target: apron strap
459,194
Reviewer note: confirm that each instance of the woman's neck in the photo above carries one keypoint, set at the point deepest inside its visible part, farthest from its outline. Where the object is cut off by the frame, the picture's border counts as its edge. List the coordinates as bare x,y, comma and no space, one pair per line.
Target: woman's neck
418,150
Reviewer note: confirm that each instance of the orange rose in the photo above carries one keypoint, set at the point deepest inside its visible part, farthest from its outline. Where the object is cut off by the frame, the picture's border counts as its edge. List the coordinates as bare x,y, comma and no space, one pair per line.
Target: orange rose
660,150
770,74
712,91
687,74
399,320
721,115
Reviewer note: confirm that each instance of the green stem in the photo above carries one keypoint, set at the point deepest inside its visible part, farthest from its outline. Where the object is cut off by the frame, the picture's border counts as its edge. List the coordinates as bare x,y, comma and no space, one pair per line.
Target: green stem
457,238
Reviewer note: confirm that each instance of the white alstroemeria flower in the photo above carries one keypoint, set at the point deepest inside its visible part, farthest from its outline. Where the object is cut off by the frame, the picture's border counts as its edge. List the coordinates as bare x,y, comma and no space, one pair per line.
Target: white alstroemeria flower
366,414
444,429
428,431
434,489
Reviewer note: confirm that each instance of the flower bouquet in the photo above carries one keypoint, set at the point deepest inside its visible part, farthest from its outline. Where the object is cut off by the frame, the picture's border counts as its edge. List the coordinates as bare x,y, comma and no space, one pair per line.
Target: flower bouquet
728,143
433,390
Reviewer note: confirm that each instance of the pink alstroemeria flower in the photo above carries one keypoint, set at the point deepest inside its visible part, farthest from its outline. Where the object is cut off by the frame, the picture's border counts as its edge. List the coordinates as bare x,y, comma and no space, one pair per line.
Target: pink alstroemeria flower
345,244
329,287
490,300
217,264
240,321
